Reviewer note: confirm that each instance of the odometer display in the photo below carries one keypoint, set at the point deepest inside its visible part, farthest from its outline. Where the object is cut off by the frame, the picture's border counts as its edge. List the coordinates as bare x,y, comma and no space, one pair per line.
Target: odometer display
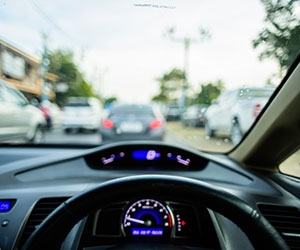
148,217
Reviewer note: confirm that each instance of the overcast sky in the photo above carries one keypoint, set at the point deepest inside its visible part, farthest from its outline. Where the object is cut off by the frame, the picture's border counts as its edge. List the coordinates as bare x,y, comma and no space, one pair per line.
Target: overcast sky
120,47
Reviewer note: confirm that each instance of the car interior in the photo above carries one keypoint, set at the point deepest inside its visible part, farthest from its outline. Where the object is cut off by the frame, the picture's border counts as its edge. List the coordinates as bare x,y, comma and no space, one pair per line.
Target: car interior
150,195
77,175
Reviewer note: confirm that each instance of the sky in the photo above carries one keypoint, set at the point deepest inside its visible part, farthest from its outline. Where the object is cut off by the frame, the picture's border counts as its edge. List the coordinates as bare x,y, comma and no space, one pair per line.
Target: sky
120,47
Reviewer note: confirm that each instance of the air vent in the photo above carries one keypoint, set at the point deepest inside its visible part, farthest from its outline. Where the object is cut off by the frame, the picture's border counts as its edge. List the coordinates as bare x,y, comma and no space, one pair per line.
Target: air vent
286,221
40,211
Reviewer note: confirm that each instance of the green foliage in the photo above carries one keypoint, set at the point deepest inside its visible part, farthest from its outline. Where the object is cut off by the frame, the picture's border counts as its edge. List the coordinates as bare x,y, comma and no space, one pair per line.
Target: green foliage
280,39
109,100
209,92
169,84
62,64
81,89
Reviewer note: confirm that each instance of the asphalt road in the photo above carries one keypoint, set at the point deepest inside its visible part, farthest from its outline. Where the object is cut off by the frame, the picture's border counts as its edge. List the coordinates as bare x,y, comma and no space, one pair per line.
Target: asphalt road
86,137
175,134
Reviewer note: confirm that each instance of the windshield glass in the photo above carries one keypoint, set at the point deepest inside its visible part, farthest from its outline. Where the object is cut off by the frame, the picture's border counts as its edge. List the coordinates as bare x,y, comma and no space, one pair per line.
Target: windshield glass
190,72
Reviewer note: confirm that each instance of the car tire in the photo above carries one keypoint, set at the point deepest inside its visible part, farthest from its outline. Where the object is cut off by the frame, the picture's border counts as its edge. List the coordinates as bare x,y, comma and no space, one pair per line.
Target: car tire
39,135
236,134
208,130
194,124
67,130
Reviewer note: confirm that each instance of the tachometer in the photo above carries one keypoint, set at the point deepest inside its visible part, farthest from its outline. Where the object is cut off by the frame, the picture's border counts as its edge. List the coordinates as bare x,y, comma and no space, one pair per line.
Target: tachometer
148,217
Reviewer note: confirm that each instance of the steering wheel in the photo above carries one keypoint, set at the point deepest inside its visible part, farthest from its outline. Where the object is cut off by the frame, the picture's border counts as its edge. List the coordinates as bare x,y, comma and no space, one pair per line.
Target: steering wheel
54,229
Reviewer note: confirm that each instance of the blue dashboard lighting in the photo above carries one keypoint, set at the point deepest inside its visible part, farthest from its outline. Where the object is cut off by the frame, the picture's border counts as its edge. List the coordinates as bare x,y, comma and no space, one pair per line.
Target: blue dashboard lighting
147,231
5,206
145,155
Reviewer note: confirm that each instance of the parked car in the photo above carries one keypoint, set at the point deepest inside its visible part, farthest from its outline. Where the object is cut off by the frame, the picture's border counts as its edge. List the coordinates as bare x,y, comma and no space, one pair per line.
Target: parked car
173,112
234,112
52,114
19,119
194,116
133,122
81,113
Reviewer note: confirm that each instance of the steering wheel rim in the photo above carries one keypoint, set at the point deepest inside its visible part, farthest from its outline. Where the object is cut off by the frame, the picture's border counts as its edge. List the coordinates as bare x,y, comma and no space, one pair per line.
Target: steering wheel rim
50,234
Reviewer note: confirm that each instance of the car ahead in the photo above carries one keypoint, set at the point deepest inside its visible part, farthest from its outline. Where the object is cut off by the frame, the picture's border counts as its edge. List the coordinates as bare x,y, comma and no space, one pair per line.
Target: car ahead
173,112
19,119
81,113
132,122
194,116
234,112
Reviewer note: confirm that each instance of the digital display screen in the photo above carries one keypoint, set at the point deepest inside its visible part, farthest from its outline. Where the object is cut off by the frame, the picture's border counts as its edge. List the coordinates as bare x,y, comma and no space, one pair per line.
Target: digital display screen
145,155
179,159
5,206
112,158
147,231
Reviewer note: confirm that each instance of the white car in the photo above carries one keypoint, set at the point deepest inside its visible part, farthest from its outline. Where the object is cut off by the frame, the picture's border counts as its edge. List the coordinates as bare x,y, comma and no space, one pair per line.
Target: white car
81,113
234,112
20,121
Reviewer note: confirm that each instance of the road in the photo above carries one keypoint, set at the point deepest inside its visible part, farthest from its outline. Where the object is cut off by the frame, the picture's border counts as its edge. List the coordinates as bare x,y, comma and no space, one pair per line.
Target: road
175,134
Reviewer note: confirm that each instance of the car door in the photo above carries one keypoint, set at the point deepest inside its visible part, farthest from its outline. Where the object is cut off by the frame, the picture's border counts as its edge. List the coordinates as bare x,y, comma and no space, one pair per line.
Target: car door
20,115
8,116
223,112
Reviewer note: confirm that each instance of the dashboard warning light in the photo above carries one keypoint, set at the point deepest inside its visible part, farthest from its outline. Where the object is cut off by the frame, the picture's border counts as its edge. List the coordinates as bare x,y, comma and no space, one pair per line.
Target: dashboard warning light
183,223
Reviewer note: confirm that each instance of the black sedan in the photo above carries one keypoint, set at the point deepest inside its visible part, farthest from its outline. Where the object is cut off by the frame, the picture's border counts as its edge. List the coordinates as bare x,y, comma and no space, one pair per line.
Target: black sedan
132,122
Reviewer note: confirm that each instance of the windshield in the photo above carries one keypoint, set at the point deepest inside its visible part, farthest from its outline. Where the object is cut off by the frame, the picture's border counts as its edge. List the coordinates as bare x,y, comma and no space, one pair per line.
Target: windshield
186,72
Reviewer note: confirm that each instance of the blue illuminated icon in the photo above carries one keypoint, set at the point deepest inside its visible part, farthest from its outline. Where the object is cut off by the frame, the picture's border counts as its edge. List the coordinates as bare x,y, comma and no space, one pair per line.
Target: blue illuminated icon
145,155
5,206
147,231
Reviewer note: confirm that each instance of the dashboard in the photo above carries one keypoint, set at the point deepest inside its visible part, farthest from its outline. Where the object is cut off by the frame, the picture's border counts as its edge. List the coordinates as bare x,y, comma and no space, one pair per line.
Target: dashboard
33,187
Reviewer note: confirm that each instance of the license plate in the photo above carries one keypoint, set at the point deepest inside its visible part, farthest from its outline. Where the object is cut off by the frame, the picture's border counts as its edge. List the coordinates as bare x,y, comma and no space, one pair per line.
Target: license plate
131,127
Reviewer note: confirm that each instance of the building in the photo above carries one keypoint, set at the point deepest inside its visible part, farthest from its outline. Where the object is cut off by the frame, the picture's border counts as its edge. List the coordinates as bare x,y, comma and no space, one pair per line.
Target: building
23,71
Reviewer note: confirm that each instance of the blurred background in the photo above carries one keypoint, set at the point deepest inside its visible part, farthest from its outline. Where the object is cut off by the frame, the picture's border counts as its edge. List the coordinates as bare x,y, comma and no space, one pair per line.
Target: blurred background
189,72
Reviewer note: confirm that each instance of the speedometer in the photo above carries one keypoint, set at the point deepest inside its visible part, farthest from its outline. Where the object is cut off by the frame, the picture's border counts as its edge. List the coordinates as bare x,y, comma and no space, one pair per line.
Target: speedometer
148,217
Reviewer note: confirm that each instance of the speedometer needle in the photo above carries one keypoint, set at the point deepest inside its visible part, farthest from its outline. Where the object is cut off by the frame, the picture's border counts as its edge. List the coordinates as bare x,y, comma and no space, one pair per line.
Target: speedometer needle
135,220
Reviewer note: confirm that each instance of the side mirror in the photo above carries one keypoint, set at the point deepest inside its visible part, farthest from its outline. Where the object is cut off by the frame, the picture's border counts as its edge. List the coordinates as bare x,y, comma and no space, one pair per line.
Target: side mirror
34,102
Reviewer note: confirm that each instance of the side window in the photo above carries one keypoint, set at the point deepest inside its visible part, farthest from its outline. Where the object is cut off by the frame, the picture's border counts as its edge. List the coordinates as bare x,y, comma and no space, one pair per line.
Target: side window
223,97
291,166
13,97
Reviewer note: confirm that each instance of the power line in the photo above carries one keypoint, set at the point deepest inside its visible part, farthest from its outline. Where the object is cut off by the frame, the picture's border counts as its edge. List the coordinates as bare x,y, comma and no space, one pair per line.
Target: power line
47,18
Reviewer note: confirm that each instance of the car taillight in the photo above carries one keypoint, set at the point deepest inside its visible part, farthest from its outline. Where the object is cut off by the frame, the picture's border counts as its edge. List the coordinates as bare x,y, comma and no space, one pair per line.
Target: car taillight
155,124
108,124
256,110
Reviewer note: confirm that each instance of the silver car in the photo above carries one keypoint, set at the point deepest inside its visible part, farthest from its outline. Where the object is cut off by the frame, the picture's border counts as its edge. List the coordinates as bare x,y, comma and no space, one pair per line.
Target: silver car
20,121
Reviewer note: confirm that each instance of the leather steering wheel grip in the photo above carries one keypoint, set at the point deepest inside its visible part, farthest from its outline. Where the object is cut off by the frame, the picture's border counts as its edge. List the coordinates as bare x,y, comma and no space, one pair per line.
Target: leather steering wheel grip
54,229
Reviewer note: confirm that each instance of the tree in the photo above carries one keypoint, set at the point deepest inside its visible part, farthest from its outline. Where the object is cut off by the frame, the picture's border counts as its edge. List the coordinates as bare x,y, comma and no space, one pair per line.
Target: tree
280,38
109,101
209,92
81,89
169,85
62,64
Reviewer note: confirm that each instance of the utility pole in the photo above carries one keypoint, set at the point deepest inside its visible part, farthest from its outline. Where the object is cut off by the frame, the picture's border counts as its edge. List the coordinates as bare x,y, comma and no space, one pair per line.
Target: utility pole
44,67
187,41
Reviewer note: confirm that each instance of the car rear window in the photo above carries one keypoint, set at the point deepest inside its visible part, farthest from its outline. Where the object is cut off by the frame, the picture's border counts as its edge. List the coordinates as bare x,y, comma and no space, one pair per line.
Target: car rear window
78,104
132,110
